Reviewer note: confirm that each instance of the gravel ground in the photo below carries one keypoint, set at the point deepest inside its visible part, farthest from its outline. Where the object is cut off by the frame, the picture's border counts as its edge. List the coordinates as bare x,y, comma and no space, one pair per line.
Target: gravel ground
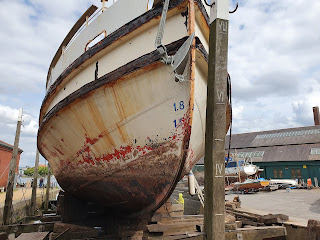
297,203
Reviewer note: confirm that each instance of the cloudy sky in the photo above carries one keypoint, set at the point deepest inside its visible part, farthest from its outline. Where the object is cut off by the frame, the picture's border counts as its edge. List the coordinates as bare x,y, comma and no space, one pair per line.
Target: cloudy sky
274,62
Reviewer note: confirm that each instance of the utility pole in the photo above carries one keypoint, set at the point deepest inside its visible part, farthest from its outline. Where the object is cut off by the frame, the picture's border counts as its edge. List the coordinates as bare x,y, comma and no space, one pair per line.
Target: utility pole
34,187
214,161
46,206
12,172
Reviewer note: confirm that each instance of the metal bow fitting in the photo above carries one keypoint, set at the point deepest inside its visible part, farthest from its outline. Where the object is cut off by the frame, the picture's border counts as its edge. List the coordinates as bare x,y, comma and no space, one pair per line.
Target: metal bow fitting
180,59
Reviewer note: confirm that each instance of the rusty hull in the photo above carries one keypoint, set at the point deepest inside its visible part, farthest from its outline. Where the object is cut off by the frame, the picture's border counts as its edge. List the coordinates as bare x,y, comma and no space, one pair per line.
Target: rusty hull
139,186
102,161
111,166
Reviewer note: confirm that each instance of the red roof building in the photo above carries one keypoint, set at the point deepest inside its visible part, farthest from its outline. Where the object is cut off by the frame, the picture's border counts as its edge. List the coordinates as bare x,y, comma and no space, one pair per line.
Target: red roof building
5,158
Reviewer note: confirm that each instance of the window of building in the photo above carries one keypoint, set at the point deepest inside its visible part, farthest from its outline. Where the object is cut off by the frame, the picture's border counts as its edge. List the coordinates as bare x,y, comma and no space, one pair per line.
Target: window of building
277,173
280,173
296,173
299,173
250,154
315,151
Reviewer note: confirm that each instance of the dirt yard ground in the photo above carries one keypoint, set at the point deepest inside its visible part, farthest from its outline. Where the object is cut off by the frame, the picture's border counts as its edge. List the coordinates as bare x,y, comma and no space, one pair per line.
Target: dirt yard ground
20,194
296,203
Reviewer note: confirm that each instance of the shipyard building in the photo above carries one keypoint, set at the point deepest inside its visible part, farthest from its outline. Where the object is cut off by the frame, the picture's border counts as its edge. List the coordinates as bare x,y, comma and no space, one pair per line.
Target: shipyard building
292,153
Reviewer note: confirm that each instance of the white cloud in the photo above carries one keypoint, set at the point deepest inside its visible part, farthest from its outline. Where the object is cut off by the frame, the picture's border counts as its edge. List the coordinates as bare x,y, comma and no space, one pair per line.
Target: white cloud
274,63
31,128
31,31
8,114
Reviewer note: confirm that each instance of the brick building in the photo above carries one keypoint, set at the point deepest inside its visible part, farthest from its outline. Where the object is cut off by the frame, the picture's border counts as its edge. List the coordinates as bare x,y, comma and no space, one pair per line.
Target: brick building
5,158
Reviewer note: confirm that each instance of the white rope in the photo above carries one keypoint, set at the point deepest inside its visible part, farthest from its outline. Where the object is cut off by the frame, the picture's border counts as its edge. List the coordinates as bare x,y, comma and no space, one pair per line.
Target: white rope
4,171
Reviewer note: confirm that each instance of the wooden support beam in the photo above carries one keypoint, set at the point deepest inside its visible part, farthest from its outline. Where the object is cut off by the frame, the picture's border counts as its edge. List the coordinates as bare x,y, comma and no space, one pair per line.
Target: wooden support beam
46,206
214,163
34,187
7,211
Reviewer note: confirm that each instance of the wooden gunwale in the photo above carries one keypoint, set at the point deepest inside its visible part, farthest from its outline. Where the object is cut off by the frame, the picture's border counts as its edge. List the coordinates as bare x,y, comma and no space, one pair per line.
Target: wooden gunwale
203,10
131,67
110,39
69,36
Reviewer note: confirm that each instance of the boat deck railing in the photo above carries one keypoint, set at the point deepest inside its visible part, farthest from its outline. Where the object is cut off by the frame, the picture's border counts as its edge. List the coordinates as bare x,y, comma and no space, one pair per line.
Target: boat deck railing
84,21
90,14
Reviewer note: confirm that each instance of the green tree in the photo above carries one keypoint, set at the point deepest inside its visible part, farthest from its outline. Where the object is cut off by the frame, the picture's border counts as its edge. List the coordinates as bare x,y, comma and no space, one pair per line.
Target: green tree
42,171
29,172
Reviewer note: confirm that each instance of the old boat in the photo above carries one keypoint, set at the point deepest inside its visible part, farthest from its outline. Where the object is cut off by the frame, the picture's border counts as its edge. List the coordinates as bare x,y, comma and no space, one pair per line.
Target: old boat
240,169
251,184
119,126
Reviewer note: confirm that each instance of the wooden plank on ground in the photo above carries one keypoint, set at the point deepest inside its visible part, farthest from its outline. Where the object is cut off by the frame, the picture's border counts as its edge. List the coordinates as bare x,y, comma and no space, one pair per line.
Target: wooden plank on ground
72,231
257,233
313,230
177,207
54,218
195,220
273,219
189,236
183,218
33,236
3,236
172,228
27,228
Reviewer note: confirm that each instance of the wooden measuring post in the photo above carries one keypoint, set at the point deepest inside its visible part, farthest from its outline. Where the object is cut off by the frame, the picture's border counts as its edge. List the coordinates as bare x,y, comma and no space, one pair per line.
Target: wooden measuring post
12,172
34,187
214,160
46,206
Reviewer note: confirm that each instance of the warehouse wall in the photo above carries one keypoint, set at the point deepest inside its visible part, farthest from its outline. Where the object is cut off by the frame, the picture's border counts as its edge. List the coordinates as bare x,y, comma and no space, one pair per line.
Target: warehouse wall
291,170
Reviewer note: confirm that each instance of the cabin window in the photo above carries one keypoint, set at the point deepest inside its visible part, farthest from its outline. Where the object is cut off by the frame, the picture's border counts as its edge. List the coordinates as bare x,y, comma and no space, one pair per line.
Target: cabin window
95,40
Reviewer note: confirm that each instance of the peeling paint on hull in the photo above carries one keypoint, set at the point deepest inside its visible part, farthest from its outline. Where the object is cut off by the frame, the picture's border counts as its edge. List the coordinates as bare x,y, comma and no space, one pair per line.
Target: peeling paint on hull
122,151
134,187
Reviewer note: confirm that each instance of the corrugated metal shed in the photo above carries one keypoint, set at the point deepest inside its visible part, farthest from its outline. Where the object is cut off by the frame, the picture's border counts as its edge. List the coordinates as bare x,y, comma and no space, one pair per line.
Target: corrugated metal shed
283,145
290,144
288,136
292,153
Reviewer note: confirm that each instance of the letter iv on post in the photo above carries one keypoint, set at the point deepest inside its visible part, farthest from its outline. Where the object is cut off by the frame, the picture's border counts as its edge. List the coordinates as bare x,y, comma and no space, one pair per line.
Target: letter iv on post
214,161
